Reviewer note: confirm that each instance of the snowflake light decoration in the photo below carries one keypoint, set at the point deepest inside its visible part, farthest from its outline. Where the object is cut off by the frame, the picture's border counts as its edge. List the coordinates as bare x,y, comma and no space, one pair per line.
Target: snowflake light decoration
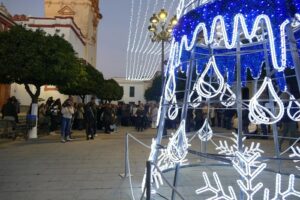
218,191
231,150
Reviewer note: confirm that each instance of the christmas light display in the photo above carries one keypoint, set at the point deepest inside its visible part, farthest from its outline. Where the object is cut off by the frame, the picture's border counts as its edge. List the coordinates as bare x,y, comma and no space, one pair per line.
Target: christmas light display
223,46
205,133
230,99
296,115
194,102
296,154
261,114
204,87
177,147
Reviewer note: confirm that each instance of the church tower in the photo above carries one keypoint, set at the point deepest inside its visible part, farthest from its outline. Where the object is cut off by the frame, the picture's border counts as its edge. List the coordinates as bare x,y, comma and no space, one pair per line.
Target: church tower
86,16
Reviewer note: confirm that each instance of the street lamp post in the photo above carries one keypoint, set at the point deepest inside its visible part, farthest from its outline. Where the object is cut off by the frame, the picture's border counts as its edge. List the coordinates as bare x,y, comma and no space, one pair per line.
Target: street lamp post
161,32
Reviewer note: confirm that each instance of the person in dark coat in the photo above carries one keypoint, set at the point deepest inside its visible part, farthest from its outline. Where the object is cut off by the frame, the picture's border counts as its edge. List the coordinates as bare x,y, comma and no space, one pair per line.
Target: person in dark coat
107,118
9,111
91,119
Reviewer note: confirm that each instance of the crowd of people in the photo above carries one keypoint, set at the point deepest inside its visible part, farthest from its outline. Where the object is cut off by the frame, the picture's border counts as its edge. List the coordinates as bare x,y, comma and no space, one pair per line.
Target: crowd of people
92,117
53,114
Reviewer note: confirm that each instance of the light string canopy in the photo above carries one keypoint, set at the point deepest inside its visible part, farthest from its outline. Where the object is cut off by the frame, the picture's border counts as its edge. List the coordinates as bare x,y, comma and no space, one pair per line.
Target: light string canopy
142,55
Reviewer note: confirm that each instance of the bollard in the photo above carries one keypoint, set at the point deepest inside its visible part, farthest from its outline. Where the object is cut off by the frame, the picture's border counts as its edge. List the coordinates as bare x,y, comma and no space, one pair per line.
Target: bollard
148,180
125,175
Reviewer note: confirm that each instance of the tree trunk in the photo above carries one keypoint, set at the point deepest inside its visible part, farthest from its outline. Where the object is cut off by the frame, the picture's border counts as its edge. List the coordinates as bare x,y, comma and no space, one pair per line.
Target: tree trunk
82,98
34,108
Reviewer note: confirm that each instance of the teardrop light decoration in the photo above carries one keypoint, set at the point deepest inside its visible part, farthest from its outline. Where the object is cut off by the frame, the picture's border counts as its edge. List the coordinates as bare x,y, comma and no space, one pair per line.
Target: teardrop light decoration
177,147
170,86
206,89
205,133
260,114
173,109
196,101
227,97
296,115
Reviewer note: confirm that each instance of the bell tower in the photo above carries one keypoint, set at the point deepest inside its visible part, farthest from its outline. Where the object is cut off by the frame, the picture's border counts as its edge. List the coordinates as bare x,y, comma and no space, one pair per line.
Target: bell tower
86,16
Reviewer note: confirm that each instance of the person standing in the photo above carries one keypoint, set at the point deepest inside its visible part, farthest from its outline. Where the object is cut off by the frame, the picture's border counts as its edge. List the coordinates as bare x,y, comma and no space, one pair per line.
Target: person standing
80,116
55,110
67,113
289,127
91,119
154,113
107,118
9,112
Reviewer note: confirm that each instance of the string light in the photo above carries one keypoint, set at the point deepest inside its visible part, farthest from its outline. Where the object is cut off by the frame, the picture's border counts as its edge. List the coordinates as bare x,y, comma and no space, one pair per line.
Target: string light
196,101
205,133
129,39
178,150
230,101
261,114
296,115
201,83
173,109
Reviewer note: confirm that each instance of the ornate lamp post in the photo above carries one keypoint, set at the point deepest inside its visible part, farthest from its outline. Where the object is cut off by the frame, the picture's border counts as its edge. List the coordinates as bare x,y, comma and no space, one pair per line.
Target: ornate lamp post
161,32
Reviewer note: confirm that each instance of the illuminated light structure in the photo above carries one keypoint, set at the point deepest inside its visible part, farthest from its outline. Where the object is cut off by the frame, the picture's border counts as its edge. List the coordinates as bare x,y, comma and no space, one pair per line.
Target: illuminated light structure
230,100
221,41
259,114
205,133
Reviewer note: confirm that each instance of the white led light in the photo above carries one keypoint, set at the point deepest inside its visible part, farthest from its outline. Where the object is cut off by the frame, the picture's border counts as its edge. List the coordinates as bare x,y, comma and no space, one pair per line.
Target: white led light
278,189
296,154
170,86
180,8
229,101
177,147
296,115
230,150
205,133
218,190
262,114
202,84
247,174
239,19
173,109
196,101
129,40
159,111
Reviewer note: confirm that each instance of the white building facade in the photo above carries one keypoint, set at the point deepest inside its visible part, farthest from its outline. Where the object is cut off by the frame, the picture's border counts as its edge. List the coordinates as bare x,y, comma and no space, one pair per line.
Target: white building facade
133,90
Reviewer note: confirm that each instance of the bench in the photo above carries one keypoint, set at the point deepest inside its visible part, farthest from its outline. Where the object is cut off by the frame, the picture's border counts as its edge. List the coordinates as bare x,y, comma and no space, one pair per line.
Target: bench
9,129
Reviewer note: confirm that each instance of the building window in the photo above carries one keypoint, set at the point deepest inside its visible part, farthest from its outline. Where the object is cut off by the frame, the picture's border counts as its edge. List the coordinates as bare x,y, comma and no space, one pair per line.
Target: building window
131,91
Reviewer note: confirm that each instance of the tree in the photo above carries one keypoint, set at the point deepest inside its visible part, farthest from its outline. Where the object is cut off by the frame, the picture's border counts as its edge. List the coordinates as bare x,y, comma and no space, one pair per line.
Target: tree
88,81
34,58
153,93
111,91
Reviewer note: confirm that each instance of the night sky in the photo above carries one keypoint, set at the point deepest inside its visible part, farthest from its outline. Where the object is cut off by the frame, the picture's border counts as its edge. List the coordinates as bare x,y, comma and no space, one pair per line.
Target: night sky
112,31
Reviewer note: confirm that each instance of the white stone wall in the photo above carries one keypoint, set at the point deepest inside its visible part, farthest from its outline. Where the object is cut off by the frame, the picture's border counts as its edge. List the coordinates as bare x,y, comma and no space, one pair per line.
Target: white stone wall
20,93
140,87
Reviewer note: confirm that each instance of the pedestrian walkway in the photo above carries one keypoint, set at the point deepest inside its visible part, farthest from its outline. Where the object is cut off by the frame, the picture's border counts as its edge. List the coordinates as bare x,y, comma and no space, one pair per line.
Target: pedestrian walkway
46,169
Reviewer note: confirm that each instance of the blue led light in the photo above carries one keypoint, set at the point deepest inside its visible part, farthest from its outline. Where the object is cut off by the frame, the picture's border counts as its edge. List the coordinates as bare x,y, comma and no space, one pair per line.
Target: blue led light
278,11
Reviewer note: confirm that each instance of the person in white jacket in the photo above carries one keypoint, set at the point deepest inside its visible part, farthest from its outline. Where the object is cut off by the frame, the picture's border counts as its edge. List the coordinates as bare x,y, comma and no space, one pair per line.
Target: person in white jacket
67,113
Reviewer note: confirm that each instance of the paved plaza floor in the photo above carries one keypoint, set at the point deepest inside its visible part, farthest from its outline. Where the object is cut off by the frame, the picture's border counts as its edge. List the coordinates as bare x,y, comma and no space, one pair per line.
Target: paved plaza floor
45,169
